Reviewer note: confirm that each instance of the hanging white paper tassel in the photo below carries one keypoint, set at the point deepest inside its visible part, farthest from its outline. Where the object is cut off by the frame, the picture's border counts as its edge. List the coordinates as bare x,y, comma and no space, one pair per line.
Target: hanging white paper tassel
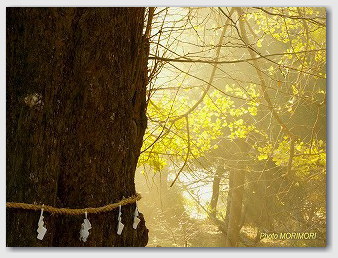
120,225
41,228
136,218
84,232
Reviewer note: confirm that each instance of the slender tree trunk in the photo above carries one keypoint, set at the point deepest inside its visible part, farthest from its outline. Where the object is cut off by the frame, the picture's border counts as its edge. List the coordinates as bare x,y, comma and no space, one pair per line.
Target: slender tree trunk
236,182
76,103
235,197
215,189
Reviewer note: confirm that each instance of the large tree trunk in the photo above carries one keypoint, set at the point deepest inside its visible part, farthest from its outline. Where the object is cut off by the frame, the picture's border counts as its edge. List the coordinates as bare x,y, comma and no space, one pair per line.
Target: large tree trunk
76,103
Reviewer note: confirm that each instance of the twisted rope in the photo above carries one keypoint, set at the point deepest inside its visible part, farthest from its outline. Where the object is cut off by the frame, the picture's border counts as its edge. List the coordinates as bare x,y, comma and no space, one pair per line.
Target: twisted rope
68,211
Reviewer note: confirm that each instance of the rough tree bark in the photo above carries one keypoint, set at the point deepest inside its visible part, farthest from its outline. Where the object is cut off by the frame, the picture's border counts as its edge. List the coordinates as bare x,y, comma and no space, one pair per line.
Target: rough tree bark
76,103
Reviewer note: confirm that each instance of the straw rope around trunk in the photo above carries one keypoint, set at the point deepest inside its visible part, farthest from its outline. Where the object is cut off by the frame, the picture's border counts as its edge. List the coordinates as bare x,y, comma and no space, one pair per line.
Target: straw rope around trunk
68,211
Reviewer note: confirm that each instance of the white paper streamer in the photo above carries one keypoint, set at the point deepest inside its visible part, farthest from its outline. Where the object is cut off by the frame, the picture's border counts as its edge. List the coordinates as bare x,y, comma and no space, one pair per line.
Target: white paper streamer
136,218
120,225
84,232
41,228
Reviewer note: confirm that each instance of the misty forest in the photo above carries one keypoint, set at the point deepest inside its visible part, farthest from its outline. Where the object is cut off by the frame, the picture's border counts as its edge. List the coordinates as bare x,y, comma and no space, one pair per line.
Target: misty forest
215,115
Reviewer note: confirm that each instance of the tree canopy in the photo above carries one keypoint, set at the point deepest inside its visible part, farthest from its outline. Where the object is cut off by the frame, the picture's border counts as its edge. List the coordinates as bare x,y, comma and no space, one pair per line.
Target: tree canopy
240,88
